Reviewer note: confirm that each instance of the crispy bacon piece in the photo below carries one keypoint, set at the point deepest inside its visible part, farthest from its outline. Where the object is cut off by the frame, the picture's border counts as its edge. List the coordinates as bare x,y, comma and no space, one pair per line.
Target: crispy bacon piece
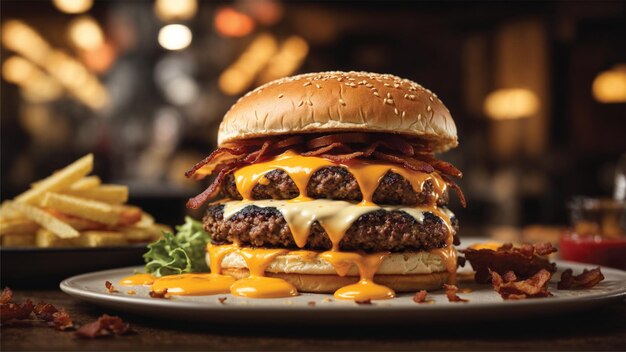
451,291
533,287
400,145
408,162
6,296
371,149
17,311
56,318
158,294
288,142
197,201
358,138
341,158
420,296
586,279
110,287
106,325
325,149
216,153
457,190
524,261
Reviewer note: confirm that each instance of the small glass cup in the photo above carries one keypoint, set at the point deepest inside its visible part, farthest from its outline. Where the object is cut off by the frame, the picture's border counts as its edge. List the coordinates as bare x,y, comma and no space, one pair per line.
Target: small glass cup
597,234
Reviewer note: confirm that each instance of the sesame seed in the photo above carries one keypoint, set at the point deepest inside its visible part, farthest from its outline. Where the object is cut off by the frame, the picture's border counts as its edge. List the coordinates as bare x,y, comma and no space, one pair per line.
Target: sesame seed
280,96
387,85
339,79
388,95
431,98
395,110
342,102
301,102
428,108
385,101
306,84
376,94
403,113
318,86
396,85
389,101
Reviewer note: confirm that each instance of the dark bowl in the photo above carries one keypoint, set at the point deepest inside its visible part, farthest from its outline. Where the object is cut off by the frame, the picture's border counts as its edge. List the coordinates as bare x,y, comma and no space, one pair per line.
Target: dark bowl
46,267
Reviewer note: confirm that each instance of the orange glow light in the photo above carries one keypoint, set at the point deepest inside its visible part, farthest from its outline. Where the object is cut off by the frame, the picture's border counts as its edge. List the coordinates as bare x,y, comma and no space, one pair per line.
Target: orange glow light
232,23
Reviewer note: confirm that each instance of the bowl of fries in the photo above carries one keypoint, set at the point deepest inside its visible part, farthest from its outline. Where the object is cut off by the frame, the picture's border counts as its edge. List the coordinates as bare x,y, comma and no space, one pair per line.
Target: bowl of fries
70,222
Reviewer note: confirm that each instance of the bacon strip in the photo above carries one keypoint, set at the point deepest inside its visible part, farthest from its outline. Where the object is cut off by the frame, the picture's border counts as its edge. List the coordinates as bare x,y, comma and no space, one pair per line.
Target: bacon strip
358,138
587,279
288,142
457,190
211,191
409,163
324,150
341,158
400,145
215,154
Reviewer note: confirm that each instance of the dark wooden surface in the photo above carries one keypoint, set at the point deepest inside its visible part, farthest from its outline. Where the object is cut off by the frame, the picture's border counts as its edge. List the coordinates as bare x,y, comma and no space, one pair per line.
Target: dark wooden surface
602,329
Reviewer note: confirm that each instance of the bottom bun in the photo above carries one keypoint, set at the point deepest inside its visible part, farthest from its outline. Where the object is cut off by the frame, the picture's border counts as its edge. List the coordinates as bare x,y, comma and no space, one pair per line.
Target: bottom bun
331,283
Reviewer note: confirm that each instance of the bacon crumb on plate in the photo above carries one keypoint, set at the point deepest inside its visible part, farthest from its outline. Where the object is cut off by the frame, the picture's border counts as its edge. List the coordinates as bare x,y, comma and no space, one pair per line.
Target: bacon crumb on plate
222,300
451,291
510,289
586,279
105,326
158,294
110,287
420,296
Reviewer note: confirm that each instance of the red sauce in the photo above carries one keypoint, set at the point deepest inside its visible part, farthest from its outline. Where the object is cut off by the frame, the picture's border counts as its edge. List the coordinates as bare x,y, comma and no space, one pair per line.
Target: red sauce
594,250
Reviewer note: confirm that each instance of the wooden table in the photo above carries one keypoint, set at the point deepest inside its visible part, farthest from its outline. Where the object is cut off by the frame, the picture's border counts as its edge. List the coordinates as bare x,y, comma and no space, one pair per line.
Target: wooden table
603,329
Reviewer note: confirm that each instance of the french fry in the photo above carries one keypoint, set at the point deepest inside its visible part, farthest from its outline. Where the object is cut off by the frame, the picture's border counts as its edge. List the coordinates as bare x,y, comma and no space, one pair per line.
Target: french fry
103,239
146,221
47,239
58,181
6,212
18,240
142,234
44,219
84,183
83,208
114,194
18,226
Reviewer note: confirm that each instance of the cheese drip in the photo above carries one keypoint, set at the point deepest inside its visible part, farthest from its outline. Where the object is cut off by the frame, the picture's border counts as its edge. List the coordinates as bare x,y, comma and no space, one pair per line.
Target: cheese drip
138,280
368,174
257,285
367,264
334,216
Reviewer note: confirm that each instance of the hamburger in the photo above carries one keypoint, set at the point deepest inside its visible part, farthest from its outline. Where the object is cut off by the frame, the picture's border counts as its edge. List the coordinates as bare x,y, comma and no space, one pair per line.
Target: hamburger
328,182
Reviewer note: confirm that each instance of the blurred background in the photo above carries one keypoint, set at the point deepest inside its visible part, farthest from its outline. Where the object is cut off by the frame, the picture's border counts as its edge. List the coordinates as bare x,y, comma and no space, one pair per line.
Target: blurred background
537,89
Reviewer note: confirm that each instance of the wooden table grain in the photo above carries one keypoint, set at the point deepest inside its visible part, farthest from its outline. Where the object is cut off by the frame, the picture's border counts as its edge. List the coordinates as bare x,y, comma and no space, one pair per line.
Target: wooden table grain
601,329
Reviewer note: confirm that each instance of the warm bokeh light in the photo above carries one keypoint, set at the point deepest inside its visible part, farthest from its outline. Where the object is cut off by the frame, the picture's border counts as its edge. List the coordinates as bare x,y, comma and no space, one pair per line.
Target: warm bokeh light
171,10
17,70
85,33
610,86
99,59
232,23
23,39
73,6
240,75
266,12
288,59
175,37
515,103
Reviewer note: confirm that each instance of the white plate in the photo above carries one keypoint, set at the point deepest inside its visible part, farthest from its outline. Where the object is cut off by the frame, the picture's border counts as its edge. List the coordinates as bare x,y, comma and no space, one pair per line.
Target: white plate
485,304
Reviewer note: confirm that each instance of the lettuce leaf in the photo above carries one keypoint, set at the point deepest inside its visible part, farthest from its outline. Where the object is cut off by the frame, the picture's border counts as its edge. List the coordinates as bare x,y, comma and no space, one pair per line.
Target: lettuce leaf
182,252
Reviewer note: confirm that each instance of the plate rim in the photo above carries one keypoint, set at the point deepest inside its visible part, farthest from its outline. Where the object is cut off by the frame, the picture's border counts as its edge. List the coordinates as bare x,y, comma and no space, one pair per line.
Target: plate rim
68,286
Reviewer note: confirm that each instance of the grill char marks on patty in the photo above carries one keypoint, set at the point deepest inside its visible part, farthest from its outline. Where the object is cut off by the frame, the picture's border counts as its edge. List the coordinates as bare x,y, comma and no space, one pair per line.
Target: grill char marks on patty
335,182
381,230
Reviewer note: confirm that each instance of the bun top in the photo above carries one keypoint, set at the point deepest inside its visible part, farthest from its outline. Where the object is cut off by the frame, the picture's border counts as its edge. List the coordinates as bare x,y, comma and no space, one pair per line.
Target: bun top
340,102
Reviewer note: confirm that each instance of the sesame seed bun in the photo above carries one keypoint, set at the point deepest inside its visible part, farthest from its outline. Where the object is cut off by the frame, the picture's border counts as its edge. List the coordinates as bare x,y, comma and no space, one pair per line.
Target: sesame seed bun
408,271
340,102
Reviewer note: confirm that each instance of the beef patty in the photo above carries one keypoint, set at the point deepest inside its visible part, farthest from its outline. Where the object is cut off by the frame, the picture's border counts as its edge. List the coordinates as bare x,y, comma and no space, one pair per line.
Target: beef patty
381,230
335,182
